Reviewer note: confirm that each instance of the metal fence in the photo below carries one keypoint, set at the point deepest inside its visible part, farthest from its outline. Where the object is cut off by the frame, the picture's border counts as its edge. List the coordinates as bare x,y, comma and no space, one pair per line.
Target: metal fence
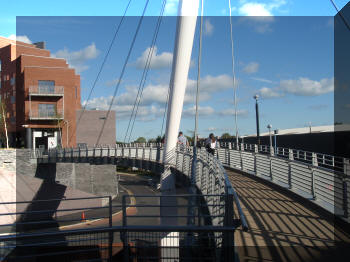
211,177
152,243
43,235
321,178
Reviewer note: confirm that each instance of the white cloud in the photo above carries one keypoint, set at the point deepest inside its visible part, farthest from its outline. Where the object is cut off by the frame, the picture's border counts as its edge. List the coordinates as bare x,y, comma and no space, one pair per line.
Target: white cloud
154,98
112,82
171,7
208,28
145,113
254,9
22,38
260,15
264,80
266,92
158,61
202,111
208,86
300,87
77,59
231,112
307,87
251,68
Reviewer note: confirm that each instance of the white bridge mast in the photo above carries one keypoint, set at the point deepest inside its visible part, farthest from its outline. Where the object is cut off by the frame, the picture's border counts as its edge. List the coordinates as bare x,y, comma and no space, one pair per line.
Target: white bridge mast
185,30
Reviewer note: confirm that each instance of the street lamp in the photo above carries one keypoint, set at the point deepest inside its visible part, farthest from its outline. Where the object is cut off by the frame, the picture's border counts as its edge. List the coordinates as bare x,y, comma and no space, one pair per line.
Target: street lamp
256,97
269,127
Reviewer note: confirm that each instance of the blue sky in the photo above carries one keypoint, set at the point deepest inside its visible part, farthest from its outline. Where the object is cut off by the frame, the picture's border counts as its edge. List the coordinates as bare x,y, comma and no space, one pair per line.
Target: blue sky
287,59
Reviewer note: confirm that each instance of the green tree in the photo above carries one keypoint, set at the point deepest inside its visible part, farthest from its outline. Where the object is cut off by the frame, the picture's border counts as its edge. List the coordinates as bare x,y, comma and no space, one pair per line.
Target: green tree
140,140
189,139
226,136
152,140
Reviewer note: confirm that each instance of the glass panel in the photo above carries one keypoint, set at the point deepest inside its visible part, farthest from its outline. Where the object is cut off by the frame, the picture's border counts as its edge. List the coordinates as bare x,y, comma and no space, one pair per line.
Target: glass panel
46,87
47,110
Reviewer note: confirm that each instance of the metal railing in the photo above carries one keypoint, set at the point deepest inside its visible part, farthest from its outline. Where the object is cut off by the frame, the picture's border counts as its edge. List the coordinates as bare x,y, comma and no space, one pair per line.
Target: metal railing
46,232
46,114
211,177
139,243
46,90
321,178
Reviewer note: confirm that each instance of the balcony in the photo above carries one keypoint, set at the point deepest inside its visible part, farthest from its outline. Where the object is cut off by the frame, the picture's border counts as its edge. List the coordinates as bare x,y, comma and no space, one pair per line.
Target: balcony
46,90
46,114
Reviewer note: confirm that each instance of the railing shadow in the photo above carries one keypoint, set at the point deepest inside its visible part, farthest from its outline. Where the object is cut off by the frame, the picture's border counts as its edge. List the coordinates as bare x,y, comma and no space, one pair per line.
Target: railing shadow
284,228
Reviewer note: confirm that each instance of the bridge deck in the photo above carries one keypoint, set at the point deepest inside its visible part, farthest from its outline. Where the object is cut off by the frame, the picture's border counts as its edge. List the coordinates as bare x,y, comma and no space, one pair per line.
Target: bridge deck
282,227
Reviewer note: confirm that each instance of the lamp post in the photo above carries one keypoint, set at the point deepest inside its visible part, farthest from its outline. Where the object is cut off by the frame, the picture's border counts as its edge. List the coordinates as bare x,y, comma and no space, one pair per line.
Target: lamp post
269,127
256,97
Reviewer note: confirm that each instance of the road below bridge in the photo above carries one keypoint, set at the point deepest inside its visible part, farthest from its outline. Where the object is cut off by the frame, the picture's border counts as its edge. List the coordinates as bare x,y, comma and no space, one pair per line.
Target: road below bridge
284,227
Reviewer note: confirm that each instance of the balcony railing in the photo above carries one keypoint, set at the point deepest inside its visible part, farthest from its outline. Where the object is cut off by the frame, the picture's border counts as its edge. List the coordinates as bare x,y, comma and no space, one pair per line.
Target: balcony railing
46,115
46,90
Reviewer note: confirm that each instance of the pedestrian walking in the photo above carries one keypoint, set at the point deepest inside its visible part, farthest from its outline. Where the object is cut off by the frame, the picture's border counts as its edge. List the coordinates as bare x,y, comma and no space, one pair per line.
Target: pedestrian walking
182,141
211,144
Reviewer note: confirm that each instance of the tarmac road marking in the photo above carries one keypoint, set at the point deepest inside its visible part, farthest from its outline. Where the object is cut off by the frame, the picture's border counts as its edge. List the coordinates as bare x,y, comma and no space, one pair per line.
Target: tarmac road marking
132,203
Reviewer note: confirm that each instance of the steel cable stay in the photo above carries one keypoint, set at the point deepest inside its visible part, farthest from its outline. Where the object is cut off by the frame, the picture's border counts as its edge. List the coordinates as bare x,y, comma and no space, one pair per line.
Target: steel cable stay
233,73
101,67
144,76
122,72
340,14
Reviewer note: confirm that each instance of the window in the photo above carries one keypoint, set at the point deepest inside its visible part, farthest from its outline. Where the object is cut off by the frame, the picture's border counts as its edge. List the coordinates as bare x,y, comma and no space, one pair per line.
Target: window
0,65
46,110
46,87
13,99
76,92
13,81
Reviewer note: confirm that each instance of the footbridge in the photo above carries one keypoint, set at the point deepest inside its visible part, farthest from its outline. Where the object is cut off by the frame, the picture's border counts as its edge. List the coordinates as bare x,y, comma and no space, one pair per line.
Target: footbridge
253,204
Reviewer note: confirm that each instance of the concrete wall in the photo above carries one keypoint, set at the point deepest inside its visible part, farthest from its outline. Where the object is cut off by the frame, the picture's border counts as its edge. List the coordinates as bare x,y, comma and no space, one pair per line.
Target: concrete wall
22,179
90,126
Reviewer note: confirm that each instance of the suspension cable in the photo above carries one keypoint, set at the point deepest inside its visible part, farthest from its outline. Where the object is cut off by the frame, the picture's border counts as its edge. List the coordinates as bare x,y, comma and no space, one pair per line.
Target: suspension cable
144,75
341,15
198,78
122,72
101,68
233,72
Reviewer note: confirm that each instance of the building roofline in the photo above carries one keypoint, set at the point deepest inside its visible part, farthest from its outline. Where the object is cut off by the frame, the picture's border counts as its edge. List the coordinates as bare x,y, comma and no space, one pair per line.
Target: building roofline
55,67
49,57
20,43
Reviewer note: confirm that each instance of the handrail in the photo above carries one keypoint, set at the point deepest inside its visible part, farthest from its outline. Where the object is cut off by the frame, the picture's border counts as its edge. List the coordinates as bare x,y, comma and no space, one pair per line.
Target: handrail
216,179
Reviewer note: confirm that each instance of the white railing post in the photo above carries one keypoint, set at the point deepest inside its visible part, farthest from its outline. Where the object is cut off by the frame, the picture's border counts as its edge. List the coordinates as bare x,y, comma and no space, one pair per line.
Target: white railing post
314,159
272,151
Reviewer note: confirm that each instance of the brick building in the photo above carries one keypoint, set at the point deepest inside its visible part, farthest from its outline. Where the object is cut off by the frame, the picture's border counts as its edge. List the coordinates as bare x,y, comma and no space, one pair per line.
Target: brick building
40,94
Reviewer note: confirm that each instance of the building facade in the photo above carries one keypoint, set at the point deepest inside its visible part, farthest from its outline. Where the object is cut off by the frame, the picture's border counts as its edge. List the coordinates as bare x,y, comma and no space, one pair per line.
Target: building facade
40,96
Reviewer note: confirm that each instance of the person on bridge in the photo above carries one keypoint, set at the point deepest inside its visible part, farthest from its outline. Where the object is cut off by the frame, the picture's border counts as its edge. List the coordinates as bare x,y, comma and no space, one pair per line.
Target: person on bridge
211,144
182,141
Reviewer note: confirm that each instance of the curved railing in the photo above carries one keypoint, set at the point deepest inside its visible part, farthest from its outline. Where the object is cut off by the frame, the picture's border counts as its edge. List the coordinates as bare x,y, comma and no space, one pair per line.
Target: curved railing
211,177
321,178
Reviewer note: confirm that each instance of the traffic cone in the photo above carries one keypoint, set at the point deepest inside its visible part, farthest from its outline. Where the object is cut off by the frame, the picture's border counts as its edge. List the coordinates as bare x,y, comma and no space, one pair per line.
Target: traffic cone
83,216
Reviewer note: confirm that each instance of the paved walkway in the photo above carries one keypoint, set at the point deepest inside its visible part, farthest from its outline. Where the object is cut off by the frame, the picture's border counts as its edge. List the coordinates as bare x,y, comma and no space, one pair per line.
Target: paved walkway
282,228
